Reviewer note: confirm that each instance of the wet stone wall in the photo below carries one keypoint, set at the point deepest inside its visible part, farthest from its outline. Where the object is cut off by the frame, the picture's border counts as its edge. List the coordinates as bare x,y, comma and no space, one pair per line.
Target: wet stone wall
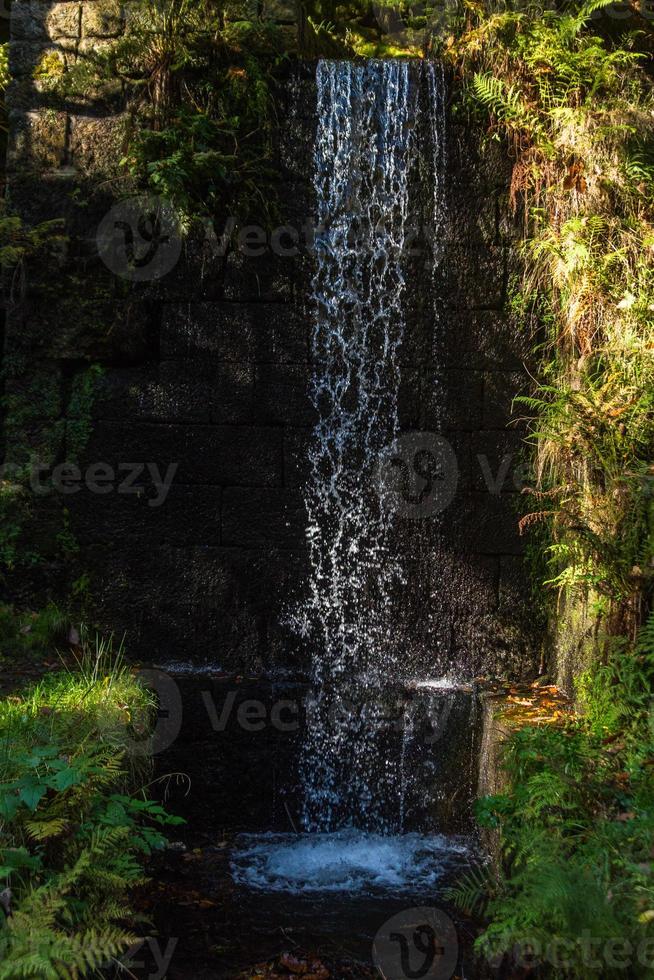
247,733
192,440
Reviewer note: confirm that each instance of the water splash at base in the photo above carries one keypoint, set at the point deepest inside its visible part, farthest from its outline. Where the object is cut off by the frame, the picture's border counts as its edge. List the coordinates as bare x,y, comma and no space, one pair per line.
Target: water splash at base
345,861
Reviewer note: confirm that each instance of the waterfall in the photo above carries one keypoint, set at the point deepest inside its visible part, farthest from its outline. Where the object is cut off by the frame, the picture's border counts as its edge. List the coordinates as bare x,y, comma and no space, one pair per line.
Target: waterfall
366,149
436,102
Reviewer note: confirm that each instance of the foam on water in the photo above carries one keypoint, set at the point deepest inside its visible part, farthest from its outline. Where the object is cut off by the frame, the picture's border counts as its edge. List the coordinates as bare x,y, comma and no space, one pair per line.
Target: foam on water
345,861
185,667
447,683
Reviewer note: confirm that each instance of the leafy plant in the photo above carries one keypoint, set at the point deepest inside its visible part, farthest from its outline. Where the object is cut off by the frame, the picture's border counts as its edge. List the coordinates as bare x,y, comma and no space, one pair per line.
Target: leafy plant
575,106
75,830
26,634
576,825
198,79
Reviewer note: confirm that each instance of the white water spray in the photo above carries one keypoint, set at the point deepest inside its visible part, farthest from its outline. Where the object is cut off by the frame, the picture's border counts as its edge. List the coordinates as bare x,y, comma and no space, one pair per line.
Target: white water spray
361,729
366,147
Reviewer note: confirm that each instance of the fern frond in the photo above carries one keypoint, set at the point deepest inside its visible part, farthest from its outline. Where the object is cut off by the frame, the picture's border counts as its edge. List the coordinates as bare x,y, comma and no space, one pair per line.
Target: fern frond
472,892
41,830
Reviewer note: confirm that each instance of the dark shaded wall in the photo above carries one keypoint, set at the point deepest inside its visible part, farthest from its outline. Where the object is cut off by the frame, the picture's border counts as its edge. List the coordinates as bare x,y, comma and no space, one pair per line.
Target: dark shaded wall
208,368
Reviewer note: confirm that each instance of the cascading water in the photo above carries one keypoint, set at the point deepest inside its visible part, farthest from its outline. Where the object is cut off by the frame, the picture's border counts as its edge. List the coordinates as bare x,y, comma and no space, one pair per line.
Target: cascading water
364,150
355,760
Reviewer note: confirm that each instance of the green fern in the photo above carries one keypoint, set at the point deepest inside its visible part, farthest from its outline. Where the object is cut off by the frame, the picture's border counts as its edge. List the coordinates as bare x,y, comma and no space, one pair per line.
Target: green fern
74,837
473,891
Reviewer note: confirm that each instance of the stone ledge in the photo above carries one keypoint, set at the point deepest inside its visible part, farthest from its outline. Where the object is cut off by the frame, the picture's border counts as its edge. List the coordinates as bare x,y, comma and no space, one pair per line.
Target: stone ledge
507,709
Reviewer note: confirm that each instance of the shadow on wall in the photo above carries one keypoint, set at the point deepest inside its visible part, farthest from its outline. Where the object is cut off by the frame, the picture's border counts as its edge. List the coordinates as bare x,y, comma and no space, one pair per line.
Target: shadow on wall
205,377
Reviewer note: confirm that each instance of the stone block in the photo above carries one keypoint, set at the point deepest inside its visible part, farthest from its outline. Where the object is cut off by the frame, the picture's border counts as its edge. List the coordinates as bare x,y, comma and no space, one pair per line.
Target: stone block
102,18
63,20
69,323
149,394
216,392
145,515
260,332
34,20
409,398
460,443
37,141
96,143
297,468
258,278
89,47
475,277
479,523
485,339
514,586
24,94
105,94
23,58
476,215
500,390
296,155
256,518
497,459
41,197
453,399
282,394
510,222
217,455
472,584
28,21
470,164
